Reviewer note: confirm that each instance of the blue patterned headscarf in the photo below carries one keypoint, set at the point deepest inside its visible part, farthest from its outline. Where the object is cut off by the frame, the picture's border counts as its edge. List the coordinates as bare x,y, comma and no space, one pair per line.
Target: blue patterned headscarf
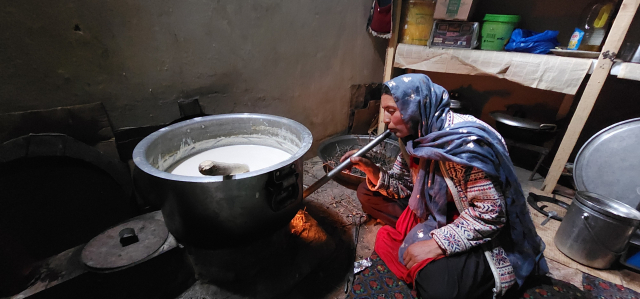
424,107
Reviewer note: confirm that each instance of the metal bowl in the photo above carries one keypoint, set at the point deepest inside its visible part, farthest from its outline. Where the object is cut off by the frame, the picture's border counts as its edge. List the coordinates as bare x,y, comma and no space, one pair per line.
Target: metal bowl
523,130
333,146
217,211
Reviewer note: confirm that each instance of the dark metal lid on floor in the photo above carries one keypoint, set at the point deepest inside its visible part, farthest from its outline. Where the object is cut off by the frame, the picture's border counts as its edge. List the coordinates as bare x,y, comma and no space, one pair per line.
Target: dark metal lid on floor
124,245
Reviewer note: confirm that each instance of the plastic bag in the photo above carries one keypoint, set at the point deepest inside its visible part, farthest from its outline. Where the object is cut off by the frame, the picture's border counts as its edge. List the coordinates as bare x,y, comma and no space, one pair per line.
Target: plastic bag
532,42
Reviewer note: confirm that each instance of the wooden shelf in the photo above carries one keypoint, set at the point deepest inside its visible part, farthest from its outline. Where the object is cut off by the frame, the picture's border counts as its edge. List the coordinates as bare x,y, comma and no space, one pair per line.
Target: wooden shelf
629,71
548,72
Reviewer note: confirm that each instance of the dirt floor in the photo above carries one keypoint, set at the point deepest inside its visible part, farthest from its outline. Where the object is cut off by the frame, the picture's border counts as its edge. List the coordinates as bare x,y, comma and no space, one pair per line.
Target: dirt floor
344,202
340,203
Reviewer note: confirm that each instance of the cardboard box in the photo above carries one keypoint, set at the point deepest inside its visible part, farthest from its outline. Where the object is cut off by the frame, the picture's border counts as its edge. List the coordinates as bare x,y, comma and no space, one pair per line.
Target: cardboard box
454,34
460,10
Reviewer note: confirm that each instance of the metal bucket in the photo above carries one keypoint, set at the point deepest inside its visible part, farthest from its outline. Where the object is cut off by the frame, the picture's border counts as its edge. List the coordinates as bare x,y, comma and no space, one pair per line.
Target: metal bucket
596,229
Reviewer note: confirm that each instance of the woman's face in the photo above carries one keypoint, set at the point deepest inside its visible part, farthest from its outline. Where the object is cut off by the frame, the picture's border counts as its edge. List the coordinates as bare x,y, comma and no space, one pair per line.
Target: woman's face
393,118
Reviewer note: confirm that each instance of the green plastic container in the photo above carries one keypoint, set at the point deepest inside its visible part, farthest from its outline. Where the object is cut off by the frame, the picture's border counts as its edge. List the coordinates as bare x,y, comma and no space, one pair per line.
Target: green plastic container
496,31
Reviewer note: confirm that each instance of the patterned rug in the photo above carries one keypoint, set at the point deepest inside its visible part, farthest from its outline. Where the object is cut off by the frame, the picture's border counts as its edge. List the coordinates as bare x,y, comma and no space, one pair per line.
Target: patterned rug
377,282
546,287
602,289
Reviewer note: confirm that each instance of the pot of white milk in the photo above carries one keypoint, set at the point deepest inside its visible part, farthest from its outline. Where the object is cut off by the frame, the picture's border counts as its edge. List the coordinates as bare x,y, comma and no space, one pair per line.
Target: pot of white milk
220,211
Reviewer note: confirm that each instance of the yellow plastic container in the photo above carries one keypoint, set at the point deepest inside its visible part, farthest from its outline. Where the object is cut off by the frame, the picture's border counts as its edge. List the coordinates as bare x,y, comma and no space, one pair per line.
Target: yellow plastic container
595,23
417,21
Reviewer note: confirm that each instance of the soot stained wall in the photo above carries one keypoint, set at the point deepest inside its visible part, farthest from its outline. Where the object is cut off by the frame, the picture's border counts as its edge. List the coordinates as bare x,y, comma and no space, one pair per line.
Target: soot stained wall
291,58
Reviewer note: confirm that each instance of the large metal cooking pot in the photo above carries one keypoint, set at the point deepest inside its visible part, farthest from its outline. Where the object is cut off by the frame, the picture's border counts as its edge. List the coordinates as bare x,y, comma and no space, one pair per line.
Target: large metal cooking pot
596,229
216,211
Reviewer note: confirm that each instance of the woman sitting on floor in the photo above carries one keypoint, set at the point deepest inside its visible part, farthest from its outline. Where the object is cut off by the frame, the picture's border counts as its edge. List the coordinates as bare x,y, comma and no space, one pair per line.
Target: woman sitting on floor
464,230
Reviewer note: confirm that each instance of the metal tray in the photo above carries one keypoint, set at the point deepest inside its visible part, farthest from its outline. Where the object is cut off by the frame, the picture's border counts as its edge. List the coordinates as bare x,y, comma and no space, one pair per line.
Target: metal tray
630,257
609,163
575,53
329,147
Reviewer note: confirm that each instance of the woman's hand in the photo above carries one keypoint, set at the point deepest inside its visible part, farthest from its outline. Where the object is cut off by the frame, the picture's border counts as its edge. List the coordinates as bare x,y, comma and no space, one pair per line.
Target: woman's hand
420,251
369,168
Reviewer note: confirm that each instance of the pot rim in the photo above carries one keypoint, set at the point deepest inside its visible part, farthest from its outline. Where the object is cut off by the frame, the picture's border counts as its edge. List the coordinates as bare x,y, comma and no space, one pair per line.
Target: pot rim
613,209
139,156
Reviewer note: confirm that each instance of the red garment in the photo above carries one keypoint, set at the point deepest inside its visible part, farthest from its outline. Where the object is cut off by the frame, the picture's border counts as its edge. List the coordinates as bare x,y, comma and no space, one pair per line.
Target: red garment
388,243
381,19
389,240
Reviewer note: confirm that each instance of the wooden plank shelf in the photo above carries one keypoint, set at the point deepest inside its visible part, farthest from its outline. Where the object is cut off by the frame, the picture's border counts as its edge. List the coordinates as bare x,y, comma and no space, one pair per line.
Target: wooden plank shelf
548,72
629,71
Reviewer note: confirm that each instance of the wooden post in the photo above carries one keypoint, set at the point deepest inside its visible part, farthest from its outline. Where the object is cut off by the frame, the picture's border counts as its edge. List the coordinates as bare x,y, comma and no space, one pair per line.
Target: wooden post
391,53
602,69
565,106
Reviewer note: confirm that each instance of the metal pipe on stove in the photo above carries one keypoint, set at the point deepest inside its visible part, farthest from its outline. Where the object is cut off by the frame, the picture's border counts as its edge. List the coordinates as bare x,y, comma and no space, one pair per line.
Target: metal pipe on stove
363,151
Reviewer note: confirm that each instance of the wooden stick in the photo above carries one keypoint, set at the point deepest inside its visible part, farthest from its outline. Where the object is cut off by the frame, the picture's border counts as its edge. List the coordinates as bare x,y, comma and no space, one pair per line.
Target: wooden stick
391,53
602,69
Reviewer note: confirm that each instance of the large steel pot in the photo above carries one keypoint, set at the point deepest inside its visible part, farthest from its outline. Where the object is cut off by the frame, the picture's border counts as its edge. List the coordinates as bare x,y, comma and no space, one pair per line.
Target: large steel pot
216,211
596,229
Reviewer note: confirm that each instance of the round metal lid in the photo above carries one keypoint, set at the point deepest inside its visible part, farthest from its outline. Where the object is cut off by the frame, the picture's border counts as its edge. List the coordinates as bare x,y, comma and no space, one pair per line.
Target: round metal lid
609,163
608,206
125,244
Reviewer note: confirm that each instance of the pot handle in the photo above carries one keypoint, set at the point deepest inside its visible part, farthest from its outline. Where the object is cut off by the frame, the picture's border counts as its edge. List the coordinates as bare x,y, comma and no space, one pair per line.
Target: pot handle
283,188
586,224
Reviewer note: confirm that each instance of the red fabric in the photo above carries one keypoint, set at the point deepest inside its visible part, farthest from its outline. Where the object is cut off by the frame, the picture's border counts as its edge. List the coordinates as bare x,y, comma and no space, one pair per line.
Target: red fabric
388,243
381,20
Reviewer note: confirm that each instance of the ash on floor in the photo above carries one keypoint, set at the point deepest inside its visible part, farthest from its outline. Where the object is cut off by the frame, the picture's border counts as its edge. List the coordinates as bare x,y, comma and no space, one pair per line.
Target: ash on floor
342,202
333,204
